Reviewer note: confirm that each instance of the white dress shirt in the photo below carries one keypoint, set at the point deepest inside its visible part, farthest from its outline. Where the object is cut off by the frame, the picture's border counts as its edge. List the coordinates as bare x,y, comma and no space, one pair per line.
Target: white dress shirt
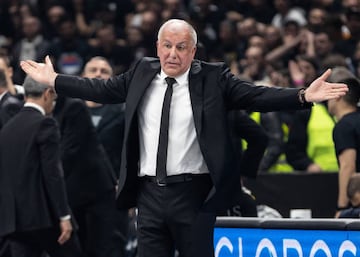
184,155
35,106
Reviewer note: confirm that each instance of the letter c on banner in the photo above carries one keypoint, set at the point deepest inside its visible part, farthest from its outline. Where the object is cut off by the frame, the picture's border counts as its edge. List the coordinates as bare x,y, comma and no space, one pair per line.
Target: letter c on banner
223,242
292,244
266,243
320,245
347,245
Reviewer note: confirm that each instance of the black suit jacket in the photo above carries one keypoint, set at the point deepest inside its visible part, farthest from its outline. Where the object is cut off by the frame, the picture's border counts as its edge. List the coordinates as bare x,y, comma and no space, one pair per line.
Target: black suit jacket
110,131
88,172
213,92
9,106
32,189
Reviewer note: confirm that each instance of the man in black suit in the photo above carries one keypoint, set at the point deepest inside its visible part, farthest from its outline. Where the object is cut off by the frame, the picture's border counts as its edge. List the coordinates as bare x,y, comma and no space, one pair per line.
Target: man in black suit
9,105
34,211
109,122
180,209
90,181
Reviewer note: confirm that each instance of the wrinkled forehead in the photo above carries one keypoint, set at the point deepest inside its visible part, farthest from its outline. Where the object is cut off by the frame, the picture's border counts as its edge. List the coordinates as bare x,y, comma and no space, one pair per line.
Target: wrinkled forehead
178,28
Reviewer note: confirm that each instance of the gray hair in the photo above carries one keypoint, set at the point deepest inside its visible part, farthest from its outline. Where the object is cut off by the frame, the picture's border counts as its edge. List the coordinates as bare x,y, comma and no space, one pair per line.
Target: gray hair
191,29
33,88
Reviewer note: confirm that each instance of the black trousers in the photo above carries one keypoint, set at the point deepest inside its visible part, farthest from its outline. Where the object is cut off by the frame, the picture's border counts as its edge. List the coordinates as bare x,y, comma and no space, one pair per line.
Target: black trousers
102,227
36,242
171,217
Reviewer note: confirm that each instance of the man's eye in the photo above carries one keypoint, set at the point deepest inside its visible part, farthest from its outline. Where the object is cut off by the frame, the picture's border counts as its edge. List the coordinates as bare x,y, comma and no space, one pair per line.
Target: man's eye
181,47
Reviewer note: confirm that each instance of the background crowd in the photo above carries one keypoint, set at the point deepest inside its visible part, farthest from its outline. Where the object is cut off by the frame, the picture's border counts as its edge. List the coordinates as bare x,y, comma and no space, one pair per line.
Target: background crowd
274,43
282,43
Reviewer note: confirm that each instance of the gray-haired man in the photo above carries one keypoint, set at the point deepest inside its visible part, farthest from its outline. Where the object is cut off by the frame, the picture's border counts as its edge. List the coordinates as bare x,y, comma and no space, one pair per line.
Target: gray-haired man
34,213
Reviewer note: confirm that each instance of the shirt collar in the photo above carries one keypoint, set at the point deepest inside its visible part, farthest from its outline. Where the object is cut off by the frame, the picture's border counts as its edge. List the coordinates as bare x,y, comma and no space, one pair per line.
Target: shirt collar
179,79
35,106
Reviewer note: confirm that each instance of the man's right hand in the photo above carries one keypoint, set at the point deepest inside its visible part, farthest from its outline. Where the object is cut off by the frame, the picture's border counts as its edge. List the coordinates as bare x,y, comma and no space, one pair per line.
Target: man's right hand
41,72
66,230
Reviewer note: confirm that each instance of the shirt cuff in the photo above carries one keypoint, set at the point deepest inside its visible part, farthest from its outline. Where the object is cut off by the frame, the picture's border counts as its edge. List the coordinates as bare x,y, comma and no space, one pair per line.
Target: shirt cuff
67,217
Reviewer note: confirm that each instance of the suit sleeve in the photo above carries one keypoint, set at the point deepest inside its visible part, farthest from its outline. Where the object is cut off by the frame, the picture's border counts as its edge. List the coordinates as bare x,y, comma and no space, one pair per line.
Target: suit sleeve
111,91
9,109
240,94
49,145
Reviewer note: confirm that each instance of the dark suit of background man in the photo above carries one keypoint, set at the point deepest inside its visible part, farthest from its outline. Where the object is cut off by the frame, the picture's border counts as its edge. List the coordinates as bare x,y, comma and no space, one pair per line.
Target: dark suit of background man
34,211
109,122
89,178
180,210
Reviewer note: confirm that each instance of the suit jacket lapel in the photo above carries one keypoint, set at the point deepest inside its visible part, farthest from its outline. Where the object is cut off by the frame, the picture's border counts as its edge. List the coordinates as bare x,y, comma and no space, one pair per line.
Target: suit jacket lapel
196,94
4,98
145,76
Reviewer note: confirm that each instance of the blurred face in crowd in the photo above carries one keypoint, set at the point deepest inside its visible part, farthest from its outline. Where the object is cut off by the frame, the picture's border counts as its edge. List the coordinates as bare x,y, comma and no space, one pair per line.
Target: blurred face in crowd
317,16
31,27
272,37
176,47
322,43
355,200
54,13
308,69
5,66
254,55
257,41
97,68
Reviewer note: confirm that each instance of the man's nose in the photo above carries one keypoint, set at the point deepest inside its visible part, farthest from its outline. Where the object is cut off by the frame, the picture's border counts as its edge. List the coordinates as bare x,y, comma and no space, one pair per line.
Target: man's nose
173,52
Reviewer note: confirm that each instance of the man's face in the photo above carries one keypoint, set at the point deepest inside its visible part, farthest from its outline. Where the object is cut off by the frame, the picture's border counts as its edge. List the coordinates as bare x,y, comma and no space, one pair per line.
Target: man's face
97,69
355,200
176,49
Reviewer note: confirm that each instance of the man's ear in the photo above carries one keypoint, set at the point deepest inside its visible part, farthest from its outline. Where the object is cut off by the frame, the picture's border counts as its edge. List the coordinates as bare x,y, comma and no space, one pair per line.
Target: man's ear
46,94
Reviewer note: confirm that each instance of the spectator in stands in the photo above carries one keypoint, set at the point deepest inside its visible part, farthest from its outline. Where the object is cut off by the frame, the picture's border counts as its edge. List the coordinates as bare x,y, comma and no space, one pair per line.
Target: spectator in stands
347,45
353,194
31,46
174,9
90,180
54,14
109,122
287,11
69,51
316,19
135,41
310,147
253,66
35,217
323,46
15,90
9,105
346,133
108,46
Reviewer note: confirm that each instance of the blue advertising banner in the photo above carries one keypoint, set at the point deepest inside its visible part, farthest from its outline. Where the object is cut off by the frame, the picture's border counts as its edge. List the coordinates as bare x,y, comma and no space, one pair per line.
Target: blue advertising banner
259,242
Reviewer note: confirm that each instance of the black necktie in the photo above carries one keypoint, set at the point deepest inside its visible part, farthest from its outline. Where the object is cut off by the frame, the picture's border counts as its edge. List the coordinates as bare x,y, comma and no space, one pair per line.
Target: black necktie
164,132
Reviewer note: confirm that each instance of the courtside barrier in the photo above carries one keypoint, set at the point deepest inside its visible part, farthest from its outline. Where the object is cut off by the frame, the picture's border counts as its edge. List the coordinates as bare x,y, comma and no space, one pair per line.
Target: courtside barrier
254,237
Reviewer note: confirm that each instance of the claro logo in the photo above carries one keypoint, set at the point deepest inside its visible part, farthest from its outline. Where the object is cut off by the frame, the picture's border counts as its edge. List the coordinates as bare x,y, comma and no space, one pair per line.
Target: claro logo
224,246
